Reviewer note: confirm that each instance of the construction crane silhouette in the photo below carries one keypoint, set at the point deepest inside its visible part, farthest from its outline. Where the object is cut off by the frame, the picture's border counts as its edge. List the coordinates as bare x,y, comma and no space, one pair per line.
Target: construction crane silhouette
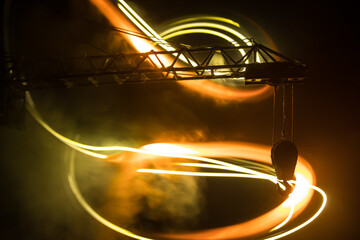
248,65
254,64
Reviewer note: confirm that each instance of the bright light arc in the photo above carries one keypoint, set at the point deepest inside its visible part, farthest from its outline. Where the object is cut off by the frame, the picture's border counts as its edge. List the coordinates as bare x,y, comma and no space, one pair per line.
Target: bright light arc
303,187
165,150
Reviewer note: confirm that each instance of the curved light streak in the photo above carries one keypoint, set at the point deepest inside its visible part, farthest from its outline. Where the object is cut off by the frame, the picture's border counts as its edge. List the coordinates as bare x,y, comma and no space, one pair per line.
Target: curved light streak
215,164
286,220
135,18
208,25
279,216
233,36
182,151
295,199
182,32
75,190
307,222
206,18
205,31
128,19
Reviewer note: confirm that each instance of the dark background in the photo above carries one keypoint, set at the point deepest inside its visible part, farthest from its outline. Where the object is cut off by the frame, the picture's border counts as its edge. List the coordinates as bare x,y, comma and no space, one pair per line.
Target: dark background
37,204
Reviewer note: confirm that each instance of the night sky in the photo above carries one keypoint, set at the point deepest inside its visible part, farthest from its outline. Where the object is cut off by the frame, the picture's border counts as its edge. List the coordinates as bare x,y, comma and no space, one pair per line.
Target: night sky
36,202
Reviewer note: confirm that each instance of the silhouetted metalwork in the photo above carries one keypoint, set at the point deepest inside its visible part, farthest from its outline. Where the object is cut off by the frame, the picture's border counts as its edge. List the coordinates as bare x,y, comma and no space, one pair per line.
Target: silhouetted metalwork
254,64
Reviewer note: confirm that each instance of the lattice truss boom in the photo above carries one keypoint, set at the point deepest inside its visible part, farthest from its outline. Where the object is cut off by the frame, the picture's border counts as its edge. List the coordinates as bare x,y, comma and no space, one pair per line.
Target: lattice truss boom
254,64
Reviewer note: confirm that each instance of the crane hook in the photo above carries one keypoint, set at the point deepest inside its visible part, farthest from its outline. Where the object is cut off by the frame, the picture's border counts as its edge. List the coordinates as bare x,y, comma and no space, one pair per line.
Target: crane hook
284,156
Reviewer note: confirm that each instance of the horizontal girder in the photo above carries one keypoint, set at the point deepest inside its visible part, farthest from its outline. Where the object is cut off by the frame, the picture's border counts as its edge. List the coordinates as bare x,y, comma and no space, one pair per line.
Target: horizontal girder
254,64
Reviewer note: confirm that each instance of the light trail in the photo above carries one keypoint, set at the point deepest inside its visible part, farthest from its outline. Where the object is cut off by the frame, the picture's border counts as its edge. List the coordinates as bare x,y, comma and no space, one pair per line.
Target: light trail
207,25
75,190
228,32
307,222
276,219
297,201
127,18
221,166
285,221
301,185
206,18
270,222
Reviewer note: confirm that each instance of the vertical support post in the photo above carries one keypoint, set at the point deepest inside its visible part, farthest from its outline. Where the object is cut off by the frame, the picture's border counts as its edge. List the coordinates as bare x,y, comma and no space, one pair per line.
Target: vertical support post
283,130
274,116
292,113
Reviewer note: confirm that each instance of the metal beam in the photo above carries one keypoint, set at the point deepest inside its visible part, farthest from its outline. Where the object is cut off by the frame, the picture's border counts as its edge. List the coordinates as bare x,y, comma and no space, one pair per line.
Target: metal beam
237,62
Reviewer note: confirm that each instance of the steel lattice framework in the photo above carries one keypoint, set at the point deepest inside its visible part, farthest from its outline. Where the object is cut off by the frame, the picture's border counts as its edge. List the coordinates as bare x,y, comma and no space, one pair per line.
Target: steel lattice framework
255,64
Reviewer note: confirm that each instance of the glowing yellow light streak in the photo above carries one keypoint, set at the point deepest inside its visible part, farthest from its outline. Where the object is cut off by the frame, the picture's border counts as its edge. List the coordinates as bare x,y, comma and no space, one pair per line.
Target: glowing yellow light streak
202,30
286,220
212,88
75,190
246,173
81,147
252,174
319,211
206,31
207,88
303,188
131,21
138,42
300,192
165,148
204,165
75,145
301,183
127,233
146,29
205,174
146,149
144,26
151,149
209,25
207,18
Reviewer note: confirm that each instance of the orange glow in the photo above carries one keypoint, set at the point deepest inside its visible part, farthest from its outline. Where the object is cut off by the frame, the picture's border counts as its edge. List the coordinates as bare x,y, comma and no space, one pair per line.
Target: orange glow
165,148
128,21
223,93
298,200
118,20
202,153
